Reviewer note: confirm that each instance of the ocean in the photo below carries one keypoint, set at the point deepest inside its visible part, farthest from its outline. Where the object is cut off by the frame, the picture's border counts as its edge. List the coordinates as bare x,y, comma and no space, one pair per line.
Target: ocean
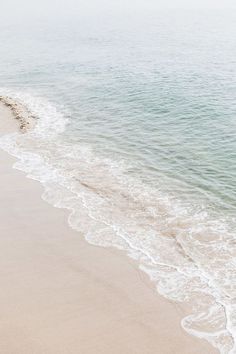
136,137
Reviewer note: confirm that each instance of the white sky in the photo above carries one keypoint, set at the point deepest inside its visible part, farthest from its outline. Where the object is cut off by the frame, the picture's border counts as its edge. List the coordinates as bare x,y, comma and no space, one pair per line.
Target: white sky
76,7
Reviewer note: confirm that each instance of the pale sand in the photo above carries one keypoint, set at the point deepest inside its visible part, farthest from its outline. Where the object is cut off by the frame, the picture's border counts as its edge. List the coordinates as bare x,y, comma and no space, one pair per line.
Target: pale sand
61,295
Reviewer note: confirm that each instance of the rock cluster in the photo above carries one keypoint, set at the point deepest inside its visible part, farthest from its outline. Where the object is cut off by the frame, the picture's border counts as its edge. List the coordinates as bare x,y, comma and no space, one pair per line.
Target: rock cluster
26,118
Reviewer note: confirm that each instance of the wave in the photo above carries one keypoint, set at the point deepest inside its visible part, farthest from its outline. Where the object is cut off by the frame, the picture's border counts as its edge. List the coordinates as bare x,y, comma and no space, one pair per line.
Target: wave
189,255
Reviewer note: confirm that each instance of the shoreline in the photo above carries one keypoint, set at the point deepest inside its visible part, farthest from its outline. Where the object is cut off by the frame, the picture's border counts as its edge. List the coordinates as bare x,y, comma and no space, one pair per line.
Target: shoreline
63,295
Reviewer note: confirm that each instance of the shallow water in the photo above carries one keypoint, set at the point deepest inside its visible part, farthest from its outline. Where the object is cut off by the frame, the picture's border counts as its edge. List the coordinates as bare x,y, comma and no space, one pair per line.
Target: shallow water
136,137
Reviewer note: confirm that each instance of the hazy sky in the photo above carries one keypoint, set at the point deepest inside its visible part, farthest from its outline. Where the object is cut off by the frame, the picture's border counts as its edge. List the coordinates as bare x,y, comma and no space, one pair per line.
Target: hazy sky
76,7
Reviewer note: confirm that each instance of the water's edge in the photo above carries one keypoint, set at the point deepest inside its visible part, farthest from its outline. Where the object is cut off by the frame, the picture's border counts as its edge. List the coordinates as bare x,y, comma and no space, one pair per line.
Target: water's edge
166,258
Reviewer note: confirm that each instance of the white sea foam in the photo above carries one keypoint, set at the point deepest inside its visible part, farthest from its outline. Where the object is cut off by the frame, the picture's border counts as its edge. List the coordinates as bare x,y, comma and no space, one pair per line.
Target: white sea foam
50,121
189,255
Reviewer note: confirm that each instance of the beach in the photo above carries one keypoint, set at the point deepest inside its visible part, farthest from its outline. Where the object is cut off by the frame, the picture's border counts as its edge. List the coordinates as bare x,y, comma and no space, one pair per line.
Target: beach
63,295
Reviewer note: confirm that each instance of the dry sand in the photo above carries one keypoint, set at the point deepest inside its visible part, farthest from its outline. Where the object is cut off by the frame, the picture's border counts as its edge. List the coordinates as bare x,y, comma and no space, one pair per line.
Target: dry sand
61,295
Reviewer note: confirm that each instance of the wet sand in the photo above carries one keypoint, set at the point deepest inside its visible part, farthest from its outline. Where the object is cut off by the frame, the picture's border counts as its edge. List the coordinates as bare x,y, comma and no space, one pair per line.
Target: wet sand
61,295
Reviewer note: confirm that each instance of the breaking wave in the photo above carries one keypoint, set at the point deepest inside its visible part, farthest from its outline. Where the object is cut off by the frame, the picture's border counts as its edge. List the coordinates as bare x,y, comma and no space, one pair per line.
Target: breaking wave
187,253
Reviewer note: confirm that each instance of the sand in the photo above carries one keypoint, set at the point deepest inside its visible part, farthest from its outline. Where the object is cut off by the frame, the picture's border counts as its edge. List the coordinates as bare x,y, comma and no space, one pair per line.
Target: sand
61,295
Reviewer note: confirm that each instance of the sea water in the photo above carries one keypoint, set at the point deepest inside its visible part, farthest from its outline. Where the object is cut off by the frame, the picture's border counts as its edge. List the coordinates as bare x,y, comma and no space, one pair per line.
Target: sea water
136,137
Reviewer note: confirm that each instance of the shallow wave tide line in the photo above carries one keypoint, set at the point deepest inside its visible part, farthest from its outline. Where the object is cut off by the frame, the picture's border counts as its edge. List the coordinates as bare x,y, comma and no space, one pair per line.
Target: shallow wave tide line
189,255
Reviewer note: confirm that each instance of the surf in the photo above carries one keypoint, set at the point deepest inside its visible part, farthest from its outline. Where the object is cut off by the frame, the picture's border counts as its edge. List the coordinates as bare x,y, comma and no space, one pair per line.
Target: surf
188,253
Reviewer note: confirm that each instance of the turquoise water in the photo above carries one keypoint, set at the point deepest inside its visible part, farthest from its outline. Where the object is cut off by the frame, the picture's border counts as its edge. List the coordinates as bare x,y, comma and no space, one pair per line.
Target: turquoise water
136,137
